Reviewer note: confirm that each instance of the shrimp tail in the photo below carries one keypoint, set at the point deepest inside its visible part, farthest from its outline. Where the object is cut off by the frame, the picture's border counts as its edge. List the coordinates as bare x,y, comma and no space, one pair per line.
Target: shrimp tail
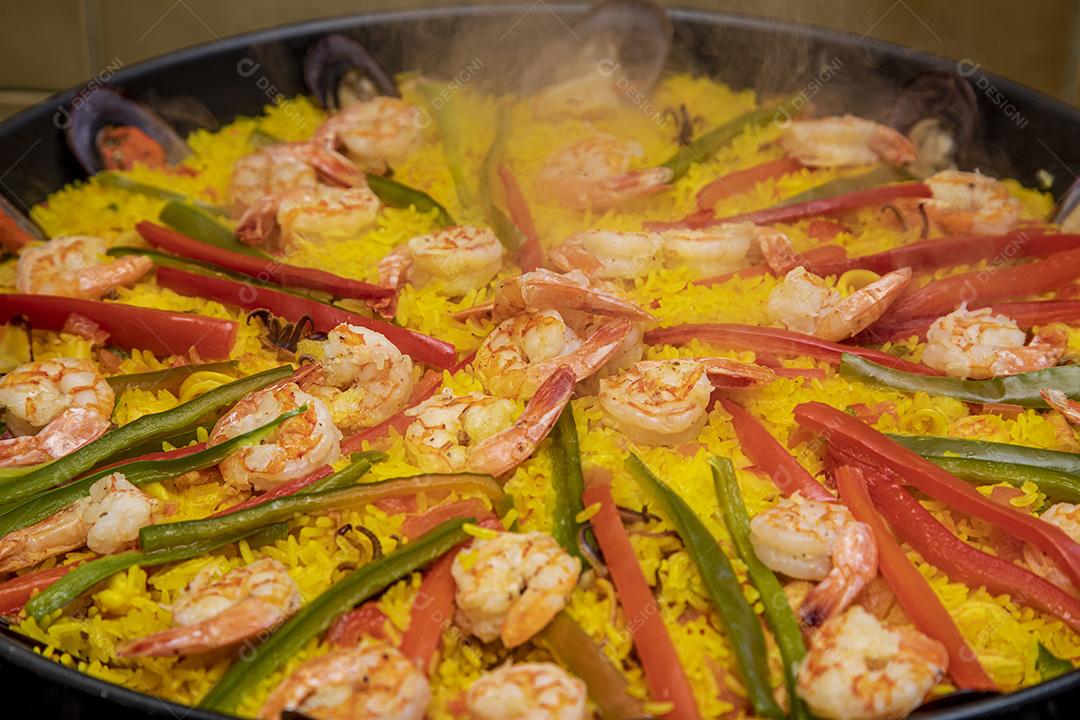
258,226
224,629
778,253
98,280
855,562
335,167
862,308
1059,401
572,256
591,356
891,146
734,375
548,290
504,451
633,184
71,430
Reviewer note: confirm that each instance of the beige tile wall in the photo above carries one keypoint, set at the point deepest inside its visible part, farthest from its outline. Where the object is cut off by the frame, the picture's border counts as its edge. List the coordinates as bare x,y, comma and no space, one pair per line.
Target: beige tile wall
47,45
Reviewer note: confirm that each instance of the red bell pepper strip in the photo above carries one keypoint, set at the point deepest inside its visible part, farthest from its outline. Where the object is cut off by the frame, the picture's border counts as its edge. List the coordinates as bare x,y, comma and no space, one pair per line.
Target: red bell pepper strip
283,490
959,250
774,341
740,181
424,389
982,287
773,458
15,592
266,270
964,563
1027,314
817,260
859,443
421,348
365,621
912,590
663,673
798,211
418,524
531,253
12,237
159,331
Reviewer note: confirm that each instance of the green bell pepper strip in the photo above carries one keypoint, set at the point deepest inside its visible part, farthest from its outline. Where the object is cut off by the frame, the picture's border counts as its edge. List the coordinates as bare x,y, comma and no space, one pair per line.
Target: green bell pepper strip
112,179
782,620
1050,665
314,618
508,233
195,223
881,175
567,482
89,574
575,649
1056,485
137,472
399,195
927,446
1022,389
736,614
148,427
707,144
347,476
169,378
449,126
165,535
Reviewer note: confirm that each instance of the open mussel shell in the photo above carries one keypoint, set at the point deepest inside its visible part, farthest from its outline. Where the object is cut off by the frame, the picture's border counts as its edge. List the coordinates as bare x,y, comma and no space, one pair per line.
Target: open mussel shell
940,113
338,70
626,38
103,108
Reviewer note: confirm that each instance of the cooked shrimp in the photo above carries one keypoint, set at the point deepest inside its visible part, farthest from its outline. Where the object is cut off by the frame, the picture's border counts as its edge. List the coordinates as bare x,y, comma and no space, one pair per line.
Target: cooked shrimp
367,379
522,352
217,611
979,344
965,202
1059,401
299,445
820,541
595,173
106,521
663,402
573,291
317,213
845,141
53,407
805,303
76,267
609,254
859,669
371,682
589,95
1065,517
284,167
460,259
477,432
527,691
510,586
374,134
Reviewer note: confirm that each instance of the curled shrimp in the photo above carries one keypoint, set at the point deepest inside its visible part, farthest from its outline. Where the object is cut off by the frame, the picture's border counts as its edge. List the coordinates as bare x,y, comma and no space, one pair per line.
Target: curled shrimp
573,291
298,446
845,141
53,408
371,682
527,691
979,344
478,433
460,259
217,611
285,166
610,254
805,303
313,213
664,402
375,134
859,669
366,379
595,173
510,586
105,521
521,353
1065,517
965,202
820,541
76,267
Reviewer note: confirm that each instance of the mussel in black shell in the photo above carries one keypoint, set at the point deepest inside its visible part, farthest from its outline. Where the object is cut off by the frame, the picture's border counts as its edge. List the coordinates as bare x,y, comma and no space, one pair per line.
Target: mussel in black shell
338,71
111,131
